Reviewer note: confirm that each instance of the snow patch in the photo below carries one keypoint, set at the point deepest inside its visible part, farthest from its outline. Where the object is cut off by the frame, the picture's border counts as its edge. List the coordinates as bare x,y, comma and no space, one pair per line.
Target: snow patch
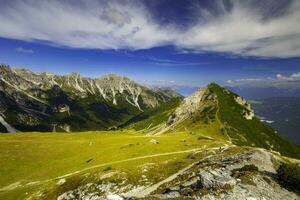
13,86
77,86
8,127
101,91
114,96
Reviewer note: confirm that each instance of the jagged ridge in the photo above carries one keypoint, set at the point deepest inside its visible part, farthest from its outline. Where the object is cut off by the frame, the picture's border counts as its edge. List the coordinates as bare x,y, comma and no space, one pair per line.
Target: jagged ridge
45,101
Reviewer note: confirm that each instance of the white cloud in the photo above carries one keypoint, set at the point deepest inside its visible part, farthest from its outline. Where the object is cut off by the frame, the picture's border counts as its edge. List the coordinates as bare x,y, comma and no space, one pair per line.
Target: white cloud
244,31
24,50
94,24
241,30
292,77
279,81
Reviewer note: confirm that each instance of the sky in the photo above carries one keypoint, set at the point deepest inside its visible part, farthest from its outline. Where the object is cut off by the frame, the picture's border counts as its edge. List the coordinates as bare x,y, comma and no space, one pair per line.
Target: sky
178,43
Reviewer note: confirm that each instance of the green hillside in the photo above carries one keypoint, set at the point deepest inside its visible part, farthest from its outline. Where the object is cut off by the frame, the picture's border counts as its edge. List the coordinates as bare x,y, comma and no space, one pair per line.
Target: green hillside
249,132
152,118
33,163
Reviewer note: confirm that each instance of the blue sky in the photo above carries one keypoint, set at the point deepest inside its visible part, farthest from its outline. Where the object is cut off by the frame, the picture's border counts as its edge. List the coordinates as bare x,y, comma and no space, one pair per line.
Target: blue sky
163,42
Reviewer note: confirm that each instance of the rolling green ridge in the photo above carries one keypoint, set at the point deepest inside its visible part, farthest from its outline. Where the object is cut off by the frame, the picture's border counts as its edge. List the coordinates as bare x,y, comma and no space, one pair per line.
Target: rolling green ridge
249,132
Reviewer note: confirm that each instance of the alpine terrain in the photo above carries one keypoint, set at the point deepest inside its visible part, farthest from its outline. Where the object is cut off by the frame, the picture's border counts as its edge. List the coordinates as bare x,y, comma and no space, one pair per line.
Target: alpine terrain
49,102
133,142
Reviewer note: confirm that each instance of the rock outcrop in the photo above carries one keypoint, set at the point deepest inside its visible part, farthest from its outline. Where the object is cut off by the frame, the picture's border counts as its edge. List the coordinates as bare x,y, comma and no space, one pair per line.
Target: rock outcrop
235,173
250,174
202,101
248,112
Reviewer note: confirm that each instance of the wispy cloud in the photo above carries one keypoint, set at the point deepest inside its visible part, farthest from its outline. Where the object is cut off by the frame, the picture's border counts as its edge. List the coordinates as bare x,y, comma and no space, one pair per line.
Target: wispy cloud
24,50
280,81
292,77
175,63
269,28
164,61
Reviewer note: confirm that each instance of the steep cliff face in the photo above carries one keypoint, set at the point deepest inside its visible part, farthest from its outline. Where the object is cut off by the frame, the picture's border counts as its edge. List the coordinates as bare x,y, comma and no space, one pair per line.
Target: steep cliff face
46,102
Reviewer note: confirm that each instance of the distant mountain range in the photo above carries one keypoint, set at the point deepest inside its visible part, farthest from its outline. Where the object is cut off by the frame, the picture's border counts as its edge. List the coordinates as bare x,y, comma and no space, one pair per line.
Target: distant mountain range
49,102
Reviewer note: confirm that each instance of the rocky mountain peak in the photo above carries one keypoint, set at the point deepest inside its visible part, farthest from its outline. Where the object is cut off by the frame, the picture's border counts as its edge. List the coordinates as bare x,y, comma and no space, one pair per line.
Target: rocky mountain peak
203,100
37,95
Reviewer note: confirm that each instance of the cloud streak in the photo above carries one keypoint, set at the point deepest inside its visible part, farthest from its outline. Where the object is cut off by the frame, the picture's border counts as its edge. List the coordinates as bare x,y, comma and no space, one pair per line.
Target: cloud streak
279,81
24,50
249,28
293,77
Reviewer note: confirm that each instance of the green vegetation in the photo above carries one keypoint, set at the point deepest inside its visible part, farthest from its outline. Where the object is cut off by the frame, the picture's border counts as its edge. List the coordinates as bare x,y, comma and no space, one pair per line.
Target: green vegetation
249,132
153,117
246,174
251,168
33,161
289,176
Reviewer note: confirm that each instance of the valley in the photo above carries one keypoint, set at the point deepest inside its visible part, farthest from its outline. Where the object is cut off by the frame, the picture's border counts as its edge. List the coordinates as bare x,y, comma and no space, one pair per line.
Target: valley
282,113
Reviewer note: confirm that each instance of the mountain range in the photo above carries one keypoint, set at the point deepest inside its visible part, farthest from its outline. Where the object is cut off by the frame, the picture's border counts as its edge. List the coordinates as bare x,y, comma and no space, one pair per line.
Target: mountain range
154,143
49,102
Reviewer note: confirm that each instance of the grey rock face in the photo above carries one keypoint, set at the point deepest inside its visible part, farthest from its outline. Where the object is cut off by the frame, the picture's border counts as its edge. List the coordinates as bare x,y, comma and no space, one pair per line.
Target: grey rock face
225,177
202,101
216,179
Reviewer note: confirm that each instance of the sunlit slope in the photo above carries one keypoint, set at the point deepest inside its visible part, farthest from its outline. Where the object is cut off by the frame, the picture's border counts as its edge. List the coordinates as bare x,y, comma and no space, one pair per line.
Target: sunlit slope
153,119
219,114
251,132
36,161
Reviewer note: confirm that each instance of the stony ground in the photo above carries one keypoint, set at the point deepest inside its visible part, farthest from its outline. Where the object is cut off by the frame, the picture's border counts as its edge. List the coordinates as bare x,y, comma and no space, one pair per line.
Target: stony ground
227,173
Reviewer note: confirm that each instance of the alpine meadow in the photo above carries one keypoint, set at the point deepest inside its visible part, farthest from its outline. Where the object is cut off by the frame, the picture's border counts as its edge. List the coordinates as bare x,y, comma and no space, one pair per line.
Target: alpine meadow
149,99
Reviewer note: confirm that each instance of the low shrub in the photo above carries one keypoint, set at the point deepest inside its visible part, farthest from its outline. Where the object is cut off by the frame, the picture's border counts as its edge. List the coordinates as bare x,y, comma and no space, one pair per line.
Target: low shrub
289,176
249,168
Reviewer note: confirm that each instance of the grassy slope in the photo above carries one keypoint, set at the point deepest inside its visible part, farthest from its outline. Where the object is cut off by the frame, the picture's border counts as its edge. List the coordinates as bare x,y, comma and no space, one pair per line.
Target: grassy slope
249,132
33,157
153,117
36,157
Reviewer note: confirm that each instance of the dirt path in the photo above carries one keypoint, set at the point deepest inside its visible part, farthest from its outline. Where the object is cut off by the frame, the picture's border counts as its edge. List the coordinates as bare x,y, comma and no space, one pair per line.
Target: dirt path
6,188
145,192
127,160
